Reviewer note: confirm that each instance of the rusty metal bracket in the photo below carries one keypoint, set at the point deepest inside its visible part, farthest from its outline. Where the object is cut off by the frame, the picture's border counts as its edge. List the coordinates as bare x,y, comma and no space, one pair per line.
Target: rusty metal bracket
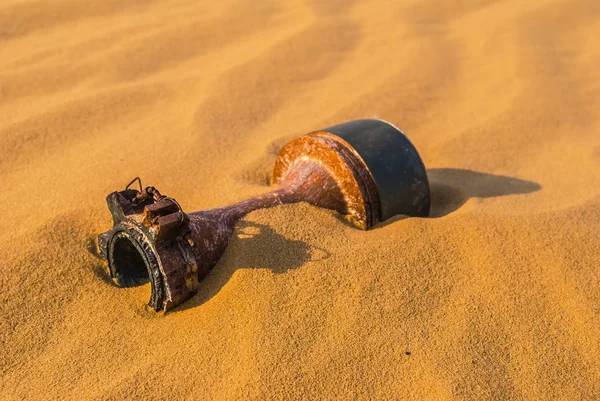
366,169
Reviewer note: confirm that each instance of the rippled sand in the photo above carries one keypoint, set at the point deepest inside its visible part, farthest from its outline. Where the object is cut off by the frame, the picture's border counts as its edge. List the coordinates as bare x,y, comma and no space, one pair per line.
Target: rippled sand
495,297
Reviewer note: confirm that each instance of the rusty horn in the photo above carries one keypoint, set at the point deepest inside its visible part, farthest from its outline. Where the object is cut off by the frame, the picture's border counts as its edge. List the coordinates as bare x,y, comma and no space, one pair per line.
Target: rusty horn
366,169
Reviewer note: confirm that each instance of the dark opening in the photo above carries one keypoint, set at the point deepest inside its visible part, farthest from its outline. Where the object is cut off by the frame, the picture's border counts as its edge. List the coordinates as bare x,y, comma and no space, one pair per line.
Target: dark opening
129,265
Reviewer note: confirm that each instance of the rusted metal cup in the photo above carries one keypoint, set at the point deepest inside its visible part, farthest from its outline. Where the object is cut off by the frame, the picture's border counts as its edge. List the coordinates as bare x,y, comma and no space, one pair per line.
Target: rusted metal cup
365,169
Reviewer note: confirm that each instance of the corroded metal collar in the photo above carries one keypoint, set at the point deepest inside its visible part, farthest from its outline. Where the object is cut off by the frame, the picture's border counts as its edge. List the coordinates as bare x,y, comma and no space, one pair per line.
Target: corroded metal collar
150,240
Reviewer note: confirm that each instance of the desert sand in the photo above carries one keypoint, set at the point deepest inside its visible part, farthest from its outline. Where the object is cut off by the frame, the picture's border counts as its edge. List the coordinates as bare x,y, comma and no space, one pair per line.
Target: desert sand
496,296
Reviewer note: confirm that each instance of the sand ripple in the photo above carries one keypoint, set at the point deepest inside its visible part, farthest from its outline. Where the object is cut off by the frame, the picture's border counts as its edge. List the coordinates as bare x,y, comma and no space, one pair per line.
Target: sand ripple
497,296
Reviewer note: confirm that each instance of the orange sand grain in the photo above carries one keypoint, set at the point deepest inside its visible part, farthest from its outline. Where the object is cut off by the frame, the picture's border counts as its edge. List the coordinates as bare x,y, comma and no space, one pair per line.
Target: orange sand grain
495,297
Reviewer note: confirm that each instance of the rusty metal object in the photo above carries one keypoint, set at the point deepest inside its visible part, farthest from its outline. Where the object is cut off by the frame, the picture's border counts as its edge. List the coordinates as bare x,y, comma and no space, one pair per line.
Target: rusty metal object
366,169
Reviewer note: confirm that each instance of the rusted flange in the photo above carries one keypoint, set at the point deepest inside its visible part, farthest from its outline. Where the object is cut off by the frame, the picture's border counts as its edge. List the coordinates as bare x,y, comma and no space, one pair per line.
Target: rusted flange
366,169
376,167
394,164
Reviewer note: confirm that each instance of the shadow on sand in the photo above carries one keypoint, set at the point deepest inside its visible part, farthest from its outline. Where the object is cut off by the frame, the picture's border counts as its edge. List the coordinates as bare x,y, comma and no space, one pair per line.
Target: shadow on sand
254,246
451,188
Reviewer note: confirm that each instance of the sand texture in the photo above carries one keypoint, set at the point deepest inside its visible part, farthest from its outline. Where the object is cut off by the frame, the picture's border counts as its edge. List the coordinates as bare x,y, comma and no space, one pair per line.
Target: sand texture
495,297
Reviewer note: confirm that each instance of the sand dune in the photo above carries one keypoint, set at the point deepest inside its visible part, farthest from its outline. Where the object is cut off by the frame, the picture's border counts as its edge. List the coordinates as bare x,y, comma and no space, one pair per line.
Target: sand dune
496,296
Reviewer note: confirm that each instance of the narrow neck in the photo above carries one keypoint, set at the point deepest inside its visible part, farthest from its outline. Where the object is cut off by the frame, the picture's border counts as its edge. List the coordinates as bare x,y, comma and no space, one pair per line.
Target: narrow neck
279,196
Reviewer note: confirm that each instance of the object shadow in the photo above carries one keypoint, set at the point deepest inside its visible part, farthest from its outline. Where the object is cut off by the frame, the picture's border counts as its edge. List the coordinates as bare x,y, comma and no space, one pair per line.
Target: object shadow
253,246
451,188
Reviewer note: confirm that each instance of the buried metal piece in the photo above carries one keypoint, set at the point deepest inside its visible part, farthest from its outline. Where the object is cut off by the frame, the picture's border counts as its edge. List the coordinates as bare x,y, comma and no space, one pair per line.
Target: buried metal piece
366,169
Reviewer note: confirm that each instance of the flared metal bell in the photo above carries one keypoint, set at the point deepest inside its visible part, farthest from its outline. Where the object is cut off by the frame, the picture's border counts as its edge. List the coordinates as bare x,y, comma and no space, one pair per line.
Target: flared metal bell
392,162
